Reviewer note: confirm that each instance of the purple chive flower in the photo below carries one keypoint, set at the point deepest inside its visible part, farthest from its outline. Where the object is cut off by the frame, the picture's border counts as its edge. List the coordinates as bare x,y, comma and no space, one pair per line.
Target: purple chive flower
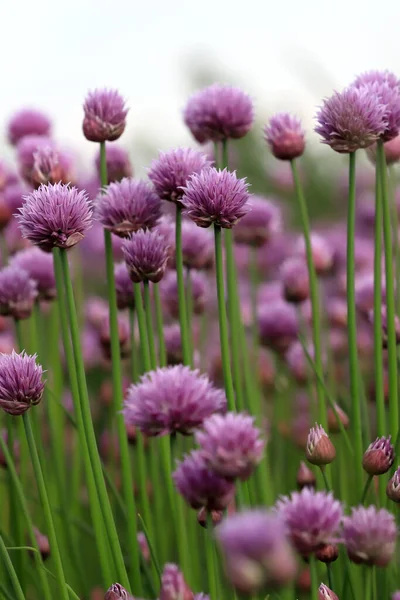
104,116
27,122
123,286
170,172
312,518
21,384
295,279
379,456
50,166
396,596
217,197
278,325
55,216
260,224
351,120
384,86
173,584
14,196
257,553
27,150
173,343
370,536
199,289
375,76
118,163
197,247
40,267
324,593
231,445
219,112
319,450
172,399
117,592
201,487
146,256
285,136
18,292
393,487
127,206
322,252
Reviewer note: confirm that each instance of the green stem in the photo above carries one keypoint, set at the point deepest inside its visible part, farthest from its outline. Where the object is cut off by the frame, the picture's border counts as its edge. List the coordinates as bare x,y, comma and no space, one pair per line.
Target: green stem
366,488
181,287
329,573
314,297
189,307
19,594
223,327
314,578
324,477
149,324
160,328
134,348
141,317
210,555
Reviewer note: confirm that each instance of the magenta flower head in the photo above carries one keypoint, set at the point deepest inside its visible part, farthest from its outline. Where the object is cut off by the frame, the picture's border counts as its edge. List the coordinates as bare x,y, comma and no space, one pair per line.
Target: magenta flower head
219,112
285,136
128,206
217,197
14,196
55,216
324,593
118,163
256,551
173,584
319,450
322,253
260,224
312,518
393,487
104,116
370,536
40,267
199,289
396,596
295,279
201,487
117,592
18,293
146,256
173,343
351,120
278,325
123,287
27,150
197,247
21,384
231,445
27,122
379,456
170,172
50,166
171,400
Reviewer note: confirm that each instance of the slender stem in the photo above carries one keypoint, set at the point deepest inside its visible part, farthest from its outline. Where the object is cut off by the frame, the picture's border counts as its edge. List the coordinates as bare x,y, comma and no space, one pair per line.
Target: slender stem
19,594
134,348
3,249
210,555
324,477
390,297
149,324
314,297
181,287
189,307
329,573
368,595
160,328
366,488
141,317
314,578
223,327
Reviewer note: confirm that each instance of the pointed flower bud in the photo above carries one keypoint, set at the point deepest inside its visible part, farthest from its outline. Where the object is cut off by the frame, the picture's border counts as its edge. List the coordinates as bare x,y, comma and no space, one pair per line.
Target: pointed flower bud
173,584
324,593
104,116
204,516
327,553
319,450
285,136
305,477
117,592
334,415
393,487
43,543
379,456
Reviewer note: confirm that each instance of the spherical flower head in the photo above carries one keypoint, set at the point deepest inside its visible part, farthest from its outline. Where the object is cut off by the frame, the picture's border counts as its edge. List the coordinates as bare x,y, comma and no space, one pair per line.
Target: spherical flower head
219,112
256,551
40,267
173,343
258,226
375,76
285,136
50,166
27,149
217,197
312,518
391,148
384,86
123,287
170,172
337,415
18,292
172,400
201,487
104,116
128,206
352,119
197,247
146,256
305,477
21,384
278,325
322,253
370,536
27,122
199,290
324,593
379,456
231,445
393,487
117,592
14,196
319,450
55,216
173,584
118,163
295,280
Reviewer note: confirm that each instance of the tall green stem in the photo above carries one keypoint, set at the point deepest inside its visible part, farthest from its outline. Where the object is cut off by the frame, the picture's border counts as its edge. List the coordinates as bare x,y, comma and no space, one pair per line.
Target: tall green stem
181,288
134,348
314,578
160,328
19,594
149,324
210,556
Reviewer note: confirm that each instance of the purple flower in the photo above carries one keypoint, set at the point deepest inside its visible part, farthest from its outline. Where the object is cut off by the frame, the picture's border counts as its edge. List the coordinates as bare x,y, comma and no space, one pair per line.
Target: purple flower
260,224
14,196
40,267
27,122
173,584
324,593
396,596
231,445
27,149
216,197
393,487
146,256
21,384
312,518
295,279
170,172
105,116
285,136
379,456
199,290
370,536
117,592
55,216
319,450
127,206
197,247
219,112
123,286
118,163
18,292
201,487
375,76
278,325
172,399
322,252
173,343
256,551
50,166
351,120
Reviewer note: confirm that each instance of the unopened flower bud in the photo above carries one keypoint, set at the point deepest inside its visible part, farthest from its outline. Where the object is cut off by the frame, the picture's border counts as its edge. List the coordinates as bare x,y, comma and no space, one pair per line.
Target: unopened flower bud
117,592
333,424
393,487
327,553
173,584
319,450
324,593
43,543
143,545
203,517
379,456
295,280
305,477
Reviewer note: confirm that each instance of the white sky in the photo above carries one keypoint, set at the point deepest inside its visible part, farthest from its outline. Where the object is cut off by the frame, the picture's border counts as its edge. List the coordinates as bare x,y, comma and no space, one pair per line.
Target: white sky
287,54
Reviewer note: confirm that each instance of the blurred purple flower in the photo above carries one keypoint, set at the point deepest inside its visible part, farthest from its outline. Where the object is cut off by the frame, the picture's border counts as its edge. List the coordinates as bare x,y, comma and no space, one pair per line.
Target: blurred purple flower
27,149
278,325
21,384
370,536
18,292
14,196
118,163
40,267
173,584
123,286
197,247
285,136
199,290
260,224
27,122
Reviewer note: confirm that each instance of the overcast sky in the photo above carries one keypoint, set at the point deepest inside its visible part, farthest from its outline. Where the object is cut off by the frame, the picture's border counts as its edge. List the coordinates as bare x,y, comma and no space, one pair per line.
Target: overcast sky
286,53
